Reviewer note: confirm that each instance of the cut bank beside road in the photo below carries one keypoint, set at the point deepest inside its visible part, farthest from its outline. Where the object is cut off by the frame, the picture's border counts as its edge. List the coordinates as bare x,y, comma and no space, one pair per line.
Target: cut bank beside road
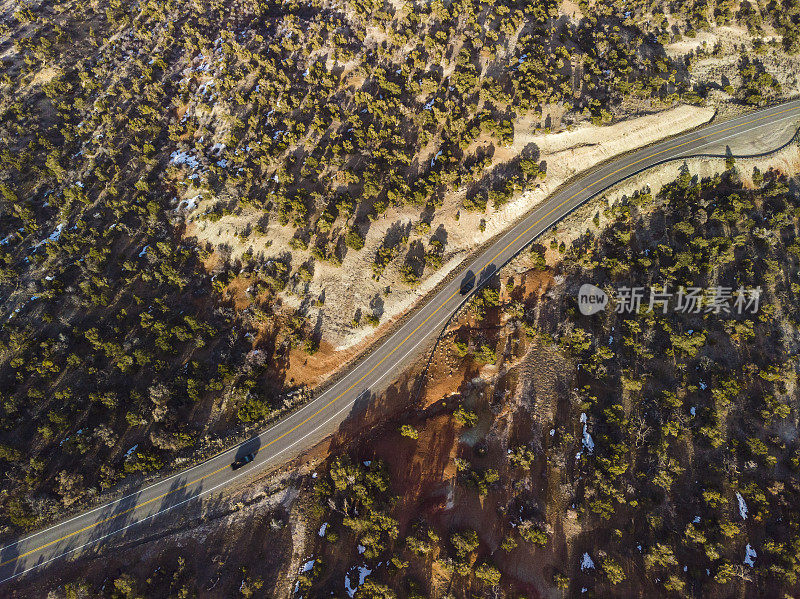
351,286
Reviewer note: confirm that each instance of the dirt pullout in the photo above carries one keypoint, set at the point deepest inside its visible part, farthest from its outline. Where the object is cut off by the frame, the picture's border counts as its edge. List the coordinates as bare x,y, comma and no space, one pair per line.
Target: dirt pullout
350,288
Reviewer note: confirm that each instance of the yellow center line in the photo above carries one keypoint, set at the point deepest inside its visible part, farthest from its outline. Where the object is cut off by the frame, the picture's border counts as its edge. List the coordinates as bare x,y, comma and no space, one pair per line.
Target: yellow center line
398,346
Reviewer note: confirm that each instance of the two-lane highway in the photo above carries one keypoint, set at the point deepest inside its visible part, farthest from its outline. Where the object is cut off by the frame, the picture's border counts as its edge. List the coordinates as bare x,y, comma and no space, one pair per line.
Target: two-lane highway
319,418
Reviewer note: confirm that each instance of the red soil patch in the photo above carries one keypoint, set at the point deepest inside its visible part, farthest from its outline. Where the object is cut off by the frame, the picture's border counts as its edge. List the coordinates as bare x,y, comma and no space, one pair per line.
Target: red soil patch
236,291
421,469
312,370
536,282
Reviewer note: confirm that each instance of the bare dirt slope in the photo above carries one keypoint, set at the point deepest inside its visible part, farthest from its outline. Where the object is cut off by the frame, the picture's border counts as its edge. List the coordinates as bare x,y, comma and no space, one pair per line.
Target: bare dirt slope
350,288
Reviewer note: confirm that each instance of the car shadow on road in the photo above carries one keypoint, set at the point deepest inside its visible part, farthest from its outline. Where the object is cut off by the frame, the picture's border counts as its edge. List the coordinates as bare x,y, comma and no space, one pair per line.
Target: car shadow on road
372,411
178,508
128,521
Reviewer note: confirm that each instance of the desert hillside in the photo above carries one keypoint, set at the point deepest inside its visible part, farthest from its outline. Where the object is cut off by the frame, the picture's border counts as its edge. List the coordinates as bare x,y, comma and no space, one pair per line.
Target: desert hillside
208,207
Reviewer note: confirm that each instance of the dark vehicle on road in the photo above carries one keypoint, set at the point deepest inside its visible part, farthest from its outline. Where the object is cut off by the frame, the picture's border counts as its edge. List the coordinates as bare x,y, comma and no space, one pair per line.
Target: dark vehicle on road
243,461
467,283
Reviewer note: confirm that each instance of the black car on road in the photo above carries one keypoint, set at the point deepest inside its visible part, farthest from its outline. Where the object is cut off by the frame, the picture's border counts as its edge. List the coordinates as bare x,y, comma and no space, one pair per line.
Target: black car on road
243,461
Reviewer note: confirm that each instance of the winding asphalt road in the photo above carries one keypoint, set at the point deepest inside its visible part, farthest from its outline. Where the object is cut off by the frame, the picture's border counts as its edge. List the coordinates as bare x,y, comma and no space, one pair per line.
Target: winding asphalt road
321,417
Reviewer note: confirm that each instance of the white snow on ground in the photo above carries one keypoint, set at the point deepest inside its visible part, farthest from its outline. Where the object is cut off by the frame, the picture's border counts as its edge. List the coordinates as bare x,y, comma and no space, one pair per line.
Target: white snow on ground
189,203
323,528
586,562
588,442
308,566
57,233
363,572
53,237
742,506
749,555
184,158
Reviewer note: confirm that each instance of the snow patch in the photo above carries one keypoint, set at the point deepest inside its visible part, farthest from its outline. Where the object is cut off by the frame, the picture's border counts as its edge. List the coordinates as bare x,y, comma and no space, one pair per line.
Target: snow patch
742,506
189,203
57,233
588,442
749,555
363,572
308,566
184,158
586,562
52,238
